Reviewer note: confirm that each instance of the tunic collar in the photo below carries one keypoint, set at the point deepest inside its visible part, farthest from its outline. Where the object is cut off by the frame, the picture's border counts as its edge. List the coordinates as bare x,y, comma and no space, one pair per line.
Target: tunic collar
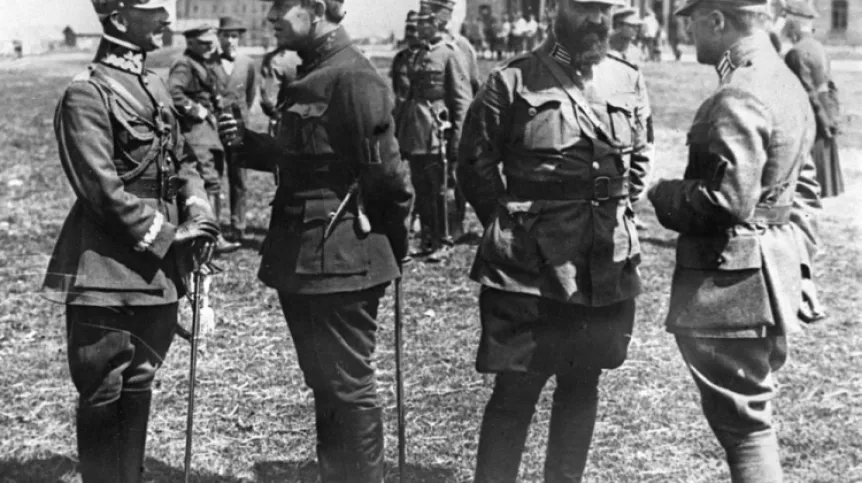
121,55
742,53
321,49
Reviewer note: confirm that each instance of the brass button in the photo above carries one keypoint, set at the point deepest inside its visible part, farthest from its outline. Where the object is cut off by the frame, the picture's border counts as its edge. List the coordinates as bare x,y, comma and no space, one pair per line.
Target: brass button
532,112
594,203
720,260
596,165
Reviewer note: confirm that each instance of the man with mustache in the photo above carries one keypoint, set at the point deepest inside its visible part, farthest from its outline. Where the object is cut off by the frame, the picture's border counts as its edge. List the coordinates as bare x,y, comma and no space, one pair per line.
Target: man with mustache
140,215
745,212
558,261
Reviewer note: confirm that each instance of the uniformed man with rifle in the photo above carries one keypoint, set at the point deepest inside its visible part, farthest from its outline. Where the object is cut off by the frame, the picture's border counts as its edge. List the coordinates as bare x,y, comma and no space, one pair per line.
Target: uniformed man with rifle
331,266
139,223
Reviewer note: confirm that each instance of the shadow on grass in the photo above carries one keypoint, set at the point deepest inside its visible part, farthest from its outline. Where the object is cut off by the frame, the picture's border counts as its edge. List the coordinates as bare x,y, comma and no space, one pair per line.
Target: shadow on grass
306,472
57,468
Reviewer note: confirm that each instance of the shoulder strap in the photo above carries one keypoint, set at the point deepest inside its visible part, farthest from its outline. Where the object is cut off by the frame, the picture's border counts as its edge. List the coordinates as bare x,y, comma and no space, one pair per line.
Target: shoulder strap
577,97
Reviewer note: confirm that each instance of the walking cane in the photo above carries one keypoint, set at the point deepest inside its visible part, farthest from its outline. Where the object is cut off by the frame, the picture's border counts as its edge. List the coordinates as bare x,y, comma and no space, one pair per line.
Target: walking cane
399,383
196,321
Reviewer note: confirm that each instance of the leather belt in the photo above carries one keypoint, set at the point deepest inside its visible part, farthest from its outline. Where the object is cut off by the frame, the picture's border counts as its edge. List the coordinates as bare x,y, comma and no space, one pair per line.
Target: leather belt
152,188
771,215
602,188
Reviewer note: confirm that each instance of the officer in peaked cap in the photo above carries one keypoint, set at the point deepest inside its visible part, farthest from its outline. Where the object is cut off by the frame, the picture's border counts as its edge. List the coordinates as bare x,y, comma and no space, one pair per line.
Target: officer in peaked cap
335,147
558,264
402,62
626,25
745,212
195,88
809,61
119,262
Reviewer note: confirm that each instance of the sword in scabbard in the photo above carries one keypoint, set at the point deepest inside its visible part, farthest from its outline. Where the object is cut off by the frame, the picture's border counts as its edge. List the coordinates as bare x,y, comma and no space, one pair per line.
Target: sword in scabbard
354,195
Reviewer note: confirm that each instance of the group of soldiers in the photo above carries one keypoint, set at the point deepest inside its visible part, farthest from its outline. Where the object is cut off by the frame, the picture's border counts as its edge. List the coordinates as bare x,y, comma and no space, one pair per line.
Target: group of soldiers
551,152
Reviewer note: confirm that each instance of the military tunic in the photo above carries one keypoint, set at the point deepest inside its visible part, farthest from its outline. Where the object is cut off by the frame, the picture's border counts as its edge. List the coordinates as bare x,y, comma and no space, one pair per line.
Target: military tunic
400,73
277,71
193,84
468,57
808,60
744,212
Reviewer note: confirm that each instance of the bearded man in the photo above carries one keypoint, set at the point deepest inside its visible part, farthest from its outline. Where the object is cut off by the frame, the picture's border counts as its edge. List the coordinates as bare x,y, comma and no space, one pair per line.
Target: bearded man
558,261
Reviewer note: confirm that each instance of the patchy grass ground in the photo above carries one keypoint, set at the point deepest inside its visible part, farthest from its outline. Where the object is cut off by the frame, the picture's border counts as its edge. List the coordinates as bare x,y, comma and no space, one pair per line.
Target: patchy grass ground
255,421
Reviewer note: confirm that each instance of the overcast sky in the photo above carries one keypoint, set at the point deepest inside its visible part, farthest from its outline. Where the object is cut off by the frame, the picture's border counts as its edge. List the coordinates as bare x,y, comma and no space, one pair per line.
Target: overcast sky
364,17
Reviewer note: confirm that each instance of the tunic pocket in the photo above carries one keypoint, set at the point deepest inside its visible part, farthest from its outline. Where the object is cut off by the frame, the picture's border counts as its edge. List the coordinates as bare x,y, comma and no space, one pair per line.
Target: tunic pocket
622,119
345,252
538,121
509,240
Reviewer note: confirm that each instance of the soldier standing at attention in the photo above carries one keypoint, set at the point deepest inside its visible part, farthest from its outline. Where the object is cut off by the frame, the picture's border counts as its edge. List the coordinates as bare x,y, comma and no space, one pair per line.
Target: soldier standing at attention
439,89
336,131
140,216
744,211
237,85
194,87
626,27
403,61
807,59
558,260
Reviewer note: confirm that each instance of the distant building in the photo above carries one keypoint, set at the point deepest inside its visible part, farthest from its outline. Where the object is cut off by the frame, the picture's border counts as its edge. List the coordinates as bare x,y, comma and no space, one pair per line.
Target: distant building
251,12
840,21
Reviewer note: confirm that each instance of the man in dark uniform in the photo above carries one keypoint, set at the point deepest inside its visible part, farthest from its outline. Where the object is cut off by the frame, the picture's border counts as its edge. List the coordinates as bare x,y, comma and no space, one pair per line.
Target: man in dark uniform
237,86
807,59
744,211
193,85
441,11
140,215
403,61
558,260
439,91
336,132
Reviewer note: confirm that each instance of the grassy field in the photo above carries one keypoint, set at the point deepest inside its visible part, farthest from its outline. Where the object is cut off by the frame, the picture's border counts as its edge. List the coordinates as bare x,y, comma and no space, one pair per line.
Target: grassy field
255,417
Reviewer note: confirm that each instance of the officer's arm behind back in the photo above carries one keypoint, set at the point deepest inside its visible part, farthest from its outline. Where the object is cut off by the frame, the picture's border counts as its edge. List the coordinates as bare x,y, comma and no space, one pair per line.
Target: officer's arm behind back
480,151
88,160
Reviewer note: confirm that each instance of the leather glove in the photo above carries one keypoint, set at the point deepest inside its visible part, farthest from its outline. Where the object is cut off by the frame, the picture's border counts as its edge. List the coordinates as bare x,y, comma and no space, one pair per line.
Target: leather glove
197,228
228,127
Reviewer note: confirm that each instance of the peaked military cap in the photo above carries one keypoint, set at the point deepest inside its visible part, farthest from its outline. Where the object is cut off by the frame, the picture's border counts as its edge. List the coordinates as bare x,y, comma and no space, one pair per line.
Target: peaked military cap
230,24
445,4
411,18
752,5
627,15
799,8
107,7
204,33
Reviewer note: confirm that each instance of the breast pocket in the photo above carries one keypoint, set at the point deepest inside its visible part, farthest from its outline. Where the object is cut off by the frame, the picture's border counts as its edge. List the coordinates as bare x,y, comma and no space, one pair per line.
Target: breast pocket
304,128
135,136
542,121
345,252
622,120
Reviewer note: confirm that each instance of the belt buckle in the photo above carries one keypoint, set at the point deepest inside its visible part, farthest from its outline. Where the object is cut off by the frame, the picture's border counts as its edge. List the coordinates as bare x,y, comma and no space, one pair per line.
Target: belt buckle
602,188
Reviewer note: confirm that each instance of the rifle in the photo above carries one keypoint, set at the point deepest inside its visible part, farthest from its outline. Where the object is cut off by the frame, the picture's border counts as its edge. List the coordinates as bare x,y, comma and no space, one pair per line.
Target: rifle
444,125
193,339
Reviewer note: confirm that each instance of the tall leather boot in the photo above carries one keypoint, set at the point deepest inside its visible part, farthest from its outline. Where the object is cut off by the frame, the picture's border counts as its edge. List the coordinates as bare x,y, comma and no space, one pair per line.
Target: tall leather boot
98,433
350,446
222,245
573,418
504,427
134,414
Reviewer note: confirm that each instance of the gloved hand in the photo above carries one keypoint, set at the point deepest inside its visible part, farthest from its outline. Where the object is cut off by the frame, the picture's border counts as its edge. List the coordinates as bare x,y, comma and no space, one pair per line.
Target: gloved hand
200,113
228,127
197,229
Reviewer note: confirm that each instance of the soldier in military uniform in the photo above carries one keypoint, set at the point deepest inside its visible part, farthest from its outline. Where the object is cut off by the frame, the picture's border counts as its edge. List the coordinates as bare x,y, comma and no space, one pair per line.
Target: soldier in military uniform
807,59
277,71
237,86
744,211
441,11
558,259
399,72
193,85
335,145
139,217
627,24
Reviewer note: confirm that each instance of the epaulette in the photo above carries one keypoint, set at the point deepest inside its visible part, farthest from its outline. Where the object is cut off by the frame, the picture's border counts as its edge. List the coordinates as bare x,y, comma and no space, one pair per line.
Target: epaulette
616,56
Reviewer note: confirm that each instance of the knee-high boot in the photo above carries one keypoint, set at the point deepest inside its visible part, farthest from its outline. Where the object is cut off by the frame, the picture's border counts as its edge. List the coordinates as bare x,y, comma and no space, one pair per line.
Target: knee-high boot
505,425
573,419
134,414
752,457
98,434
350,446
